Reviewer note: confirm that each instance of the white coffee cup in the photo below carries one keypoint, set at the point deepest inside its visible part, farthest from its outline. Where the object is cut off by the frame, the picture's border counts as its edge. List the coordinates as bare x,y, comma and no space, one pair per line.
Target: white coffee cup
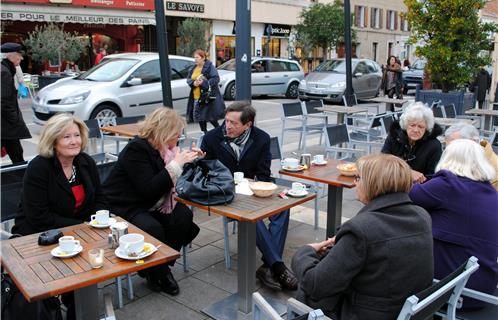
291,163
101,216
132,243
318,158
238,176
68,244
298,187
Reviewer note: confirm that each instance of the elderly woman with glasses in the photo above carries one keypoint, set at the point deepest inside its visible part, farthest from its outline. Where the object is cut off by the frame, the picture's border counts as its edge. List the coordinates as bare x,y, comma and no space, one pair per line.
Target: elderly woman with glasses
364,272
464,209
414,139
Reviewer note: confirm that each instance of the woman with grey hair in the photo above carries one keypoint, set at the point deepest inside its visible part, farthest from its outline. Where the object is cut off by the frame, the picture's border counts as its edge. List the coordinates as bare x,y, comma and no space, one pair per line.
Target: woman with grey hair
414,139
464,209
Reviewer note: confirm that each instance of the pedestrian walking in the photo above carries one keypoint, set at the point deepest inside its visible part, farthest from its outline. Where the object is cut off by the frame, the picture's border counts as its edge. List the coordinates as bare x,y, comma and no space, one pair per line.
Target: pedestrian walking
13,126
482,81
392,76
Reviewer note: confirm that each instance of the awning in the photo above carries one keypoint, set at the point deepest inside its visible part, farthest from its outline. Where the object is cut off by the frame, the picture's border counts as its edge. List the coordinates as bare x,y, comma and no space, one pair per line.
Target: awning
21,12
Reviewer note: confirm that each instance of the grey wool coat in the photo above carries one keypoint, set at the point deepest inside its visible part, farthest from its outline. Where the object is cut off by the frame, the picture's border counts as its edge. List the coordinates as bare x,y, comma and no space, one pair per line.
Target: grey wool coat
381,256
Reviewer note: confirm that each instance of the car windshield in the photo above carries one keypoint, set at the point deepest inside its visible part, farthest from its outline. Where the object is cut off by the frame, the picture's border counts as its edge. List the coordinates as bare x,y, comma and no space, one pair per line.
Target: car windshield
418,64
109,70
338,66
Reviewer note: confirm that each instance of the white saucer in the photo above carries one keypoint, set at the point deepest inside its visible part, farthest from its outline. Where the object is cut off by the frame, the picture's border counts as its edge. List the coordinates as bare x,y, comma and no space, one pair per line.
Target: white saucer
56,252
319,163
296,169
100,226
120,254
297,194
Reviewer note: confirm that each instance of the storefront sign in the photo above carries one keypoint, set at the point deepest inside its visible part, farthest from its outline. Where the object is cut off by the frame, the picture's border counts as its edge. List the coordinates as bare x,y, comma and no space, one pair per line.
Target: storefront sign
184,6
114,4
277,30
75,18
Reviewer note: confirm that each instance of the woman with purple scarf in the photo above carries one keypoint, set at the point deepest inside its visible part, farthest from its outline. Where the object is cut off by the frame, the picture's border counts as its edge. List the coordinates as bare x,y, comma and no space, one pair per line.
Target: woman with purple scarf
141,188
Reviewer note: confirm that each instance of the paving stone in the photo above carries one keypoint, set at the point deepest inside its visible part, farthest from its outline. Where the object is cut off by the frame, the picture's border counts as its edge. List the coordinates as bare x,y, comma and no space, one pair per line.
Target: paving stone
205,257
206,236
217,275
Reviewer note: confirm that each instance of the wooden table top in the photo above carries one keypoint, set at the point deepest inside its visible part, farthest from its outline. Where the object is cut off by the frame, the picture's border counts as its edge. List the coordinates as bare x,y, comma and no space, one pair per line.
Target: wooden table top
39,275
127,130
252,208
389,100
452,121
328,174
486,112
343,109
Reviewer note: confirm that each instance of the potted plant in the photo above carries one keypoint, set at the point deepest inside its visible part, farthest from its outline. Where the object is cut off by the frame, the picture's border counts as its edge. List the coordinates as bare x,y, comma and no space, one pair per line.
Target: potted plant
452,37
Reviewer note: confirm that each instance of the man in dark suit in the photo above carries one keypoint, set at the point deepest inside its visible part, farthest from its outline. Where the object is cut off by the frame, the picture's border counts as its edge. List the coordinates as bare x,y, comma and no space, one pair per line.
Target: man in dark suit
13,126
240,146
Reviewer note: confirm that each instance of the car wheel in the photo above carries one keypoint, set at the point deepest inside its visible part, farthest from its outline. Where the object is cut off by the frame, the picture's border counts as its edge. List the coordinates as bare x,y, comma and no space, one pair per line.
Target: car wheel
105,114
292,91
230,92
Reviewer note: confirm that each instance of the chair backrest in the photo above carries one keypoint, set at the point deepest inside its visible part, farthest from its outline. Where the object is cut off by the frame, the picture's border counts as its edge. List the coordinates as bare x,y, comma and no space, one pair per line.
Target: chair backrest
337,134
104,169
128,120
447,291
435,103
12,182
93,129
350,100
437,111
449,111
311,105
387,121
275,151
292,109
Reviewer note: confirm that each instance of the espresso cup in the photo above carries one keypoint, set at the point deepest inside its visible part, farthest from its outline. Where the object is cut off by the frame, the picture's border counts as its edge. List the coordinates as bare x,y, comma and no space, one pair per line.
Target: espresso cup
298,187
318,158
132,243
291,163
237,177
68,244
101,216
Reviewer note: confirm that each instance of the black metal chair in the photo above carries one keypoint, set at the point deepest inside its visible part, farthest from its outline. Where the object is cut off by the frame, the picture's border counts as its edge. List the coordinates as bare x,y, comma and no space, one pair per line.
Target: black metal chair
338,135
294,112
12,181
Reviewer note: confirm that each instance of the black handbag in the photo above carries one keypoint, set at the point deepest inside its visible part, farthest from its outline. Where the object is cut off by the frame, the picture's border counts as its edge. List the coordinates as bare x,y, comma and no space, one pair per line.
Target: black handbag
206,182
207,95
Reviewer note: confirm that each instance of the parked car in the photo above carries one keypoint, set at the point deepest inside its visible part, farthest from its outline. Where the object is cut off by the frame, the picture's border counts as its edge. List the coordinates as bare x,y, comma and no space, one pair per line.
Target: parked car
122,85
328,80
414,75
268,76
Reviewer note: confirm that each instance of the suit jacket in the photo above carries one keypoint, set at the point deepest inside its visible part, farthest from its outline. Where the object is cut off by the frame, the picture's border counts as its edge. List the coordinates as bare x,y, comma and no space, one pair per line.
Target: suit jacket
255,158
138,180
47,201
381,256
13,126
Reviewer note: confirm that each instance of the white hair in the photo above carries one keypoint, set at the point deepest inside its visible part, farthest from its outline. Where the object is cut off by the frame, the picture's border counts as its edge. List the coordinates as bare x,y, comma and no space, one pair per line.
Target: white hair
465,131
466,158
417,111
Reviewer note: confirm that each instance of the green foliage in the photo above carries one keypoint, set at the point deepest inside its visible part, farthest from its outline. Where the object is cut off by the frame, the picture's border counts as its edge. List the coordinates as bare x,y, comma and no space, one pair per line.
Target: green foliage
452,37
50,42
322,25
192,34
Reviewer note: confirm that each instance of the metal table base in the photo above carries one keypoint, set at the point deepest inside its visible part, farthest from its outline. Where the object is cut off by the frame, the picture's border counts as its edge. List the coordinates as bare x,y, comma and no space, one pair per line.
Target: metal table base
334,209
86,302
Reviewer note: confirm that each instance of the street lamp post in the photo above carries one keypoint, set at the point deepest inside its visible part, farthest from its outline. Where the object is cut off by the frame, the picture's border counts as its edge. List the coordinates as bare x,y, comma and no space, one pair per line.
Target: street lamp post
162,44
243,50
347,43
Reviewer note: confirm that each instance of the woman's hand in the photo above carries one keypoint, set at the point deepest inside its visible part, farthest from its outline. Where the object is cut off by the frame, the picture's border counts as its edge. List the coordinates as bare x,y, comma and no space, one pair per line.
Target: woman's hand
197,82
418,177
185,156
200,153
322,247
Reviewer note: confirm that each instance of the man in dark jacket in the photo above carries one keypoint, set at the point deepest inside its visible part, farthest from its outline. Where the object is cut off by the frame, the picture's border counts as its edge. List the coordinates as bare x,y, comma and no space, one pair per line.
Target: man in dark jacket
483,82
242,147
13,126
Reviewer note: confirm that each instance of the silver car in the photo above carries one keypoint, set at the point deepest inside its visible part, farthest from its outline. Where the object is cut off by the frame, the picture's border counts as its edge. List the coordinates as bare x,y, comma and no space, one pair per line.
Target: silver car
122,85
268,76
328,80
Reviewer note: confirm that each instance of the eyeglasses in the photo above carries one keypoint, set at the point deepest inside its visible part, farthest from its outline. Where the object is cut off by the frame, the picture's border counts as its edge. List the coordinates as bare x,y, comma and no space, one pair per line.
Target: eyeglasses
357,178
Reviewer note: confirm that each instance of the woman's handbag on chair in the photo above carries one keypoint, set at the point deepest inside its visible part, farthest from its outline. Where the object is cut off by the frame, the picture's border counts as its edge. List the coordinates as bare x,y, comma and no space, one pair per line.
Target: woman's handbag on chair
207,182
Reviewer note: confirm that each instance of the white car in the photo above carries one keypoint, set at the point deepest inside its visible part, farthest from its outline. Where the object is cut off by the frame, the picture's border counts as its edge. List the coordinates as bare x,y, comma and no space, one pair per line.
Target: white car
122,85
268,76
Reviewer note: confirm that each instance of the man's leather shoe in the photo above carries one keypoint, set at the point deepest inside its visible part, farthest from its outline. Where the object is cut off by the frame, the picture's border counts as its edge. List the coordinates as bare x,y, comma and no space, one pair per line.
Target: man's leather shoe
265,276
287,280
169,285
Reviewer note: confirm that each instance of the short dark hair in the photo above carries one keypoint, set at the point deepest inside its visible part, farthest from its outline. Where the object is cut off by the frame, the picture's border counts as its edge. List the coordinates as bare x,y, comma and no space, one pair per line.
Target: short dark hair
248,111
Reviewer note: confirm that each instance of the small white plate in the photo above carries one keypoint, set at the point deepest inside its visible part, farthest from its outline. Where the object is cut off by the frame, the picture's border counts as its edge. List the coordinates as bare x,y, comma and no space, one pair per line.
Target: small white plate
296,169
58,253
297,194
94,223
120,254
319,163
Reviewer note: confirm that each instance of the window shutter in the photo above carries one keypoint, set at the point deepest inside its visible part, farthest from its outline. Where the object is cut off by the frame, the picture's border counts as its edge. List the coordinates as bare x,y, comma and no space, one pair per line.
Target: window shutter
388,19
356,16
365,18
381,12
395,20
372,17
401,23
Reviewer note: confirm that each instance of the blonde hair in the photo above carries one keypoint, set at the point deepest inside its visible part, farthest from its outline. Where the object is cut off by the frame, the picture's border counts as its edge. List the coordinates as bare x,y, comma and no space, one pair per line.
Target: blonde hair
383,174
55,128
466,158
162,125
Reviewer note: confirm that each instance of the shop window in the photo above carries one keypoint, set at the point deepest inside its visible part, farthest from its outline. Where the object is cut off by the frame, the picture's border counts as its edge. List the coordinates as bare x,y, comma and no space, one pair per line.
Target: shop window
272,48
225,48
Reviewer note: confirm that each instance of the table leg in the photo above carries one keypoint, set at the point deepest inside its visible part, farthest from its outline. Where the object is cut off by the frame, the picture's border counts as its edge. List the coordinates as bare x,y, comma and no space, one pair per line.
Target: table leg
86,302
334,209
340,118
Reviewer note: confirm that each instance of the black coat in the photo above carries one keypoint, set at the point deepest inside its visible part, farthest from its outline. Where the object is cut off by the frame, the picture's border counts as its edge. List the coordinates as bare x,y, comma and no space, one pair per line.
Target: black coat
216,108
255,159
47,201
482,81
138,180
423,156
13,126
381,257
